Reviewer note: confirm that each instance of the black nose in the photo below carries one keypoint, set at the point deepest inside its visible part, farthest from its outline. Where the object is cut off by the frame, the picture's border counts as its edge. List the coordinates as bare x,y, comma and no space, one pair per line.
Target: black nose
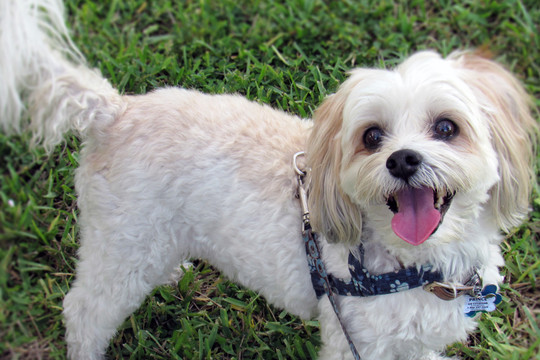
404,163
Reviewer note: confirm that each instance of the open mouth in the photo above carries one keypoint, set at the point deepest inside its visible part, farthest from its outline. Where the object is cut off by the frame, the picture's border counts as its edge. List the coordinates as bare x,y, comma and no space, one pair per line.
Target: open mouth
418,212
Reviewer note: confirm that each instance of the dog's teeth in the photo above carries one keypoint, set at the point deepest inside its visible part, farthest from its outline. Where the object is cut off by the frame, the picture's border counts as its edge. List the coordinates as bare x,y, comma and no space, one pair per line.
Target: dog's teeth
440,201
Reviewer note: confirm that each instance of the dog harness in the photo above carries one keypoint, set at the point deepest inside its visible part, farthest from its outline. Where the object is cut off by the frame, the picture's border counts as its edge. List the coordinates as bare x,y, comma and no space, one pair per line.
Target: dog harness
364,284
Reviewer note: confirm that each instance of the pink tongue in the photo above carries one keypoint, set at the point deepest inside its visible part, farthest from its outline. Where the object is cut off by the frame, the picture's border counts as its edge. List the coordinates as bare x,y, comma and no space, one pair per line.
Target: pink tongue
417,217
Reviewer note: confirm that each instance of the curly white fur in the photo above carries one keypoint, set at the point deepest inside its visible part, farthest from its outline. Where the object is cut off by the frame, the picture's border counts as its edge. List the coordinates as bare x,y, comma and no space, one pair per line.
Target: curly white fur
177,174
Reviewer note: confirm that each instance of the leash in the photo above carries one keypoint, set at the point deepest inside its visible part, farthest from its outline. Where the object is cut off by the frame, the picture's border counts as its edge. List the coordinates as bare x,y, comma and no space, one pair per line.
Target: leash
318,271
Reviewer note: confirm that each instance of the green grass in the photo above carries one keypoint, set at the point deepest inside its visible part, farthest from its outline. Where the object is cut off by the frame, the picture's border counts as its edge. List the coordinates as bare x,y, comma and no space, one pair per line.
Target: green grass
290,55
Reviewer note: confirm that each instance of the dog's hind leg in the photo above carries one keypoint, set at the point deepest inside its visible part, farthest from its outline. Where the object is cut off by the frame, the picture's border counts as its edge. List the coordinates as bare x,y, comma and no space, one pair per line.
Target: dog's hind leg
114,275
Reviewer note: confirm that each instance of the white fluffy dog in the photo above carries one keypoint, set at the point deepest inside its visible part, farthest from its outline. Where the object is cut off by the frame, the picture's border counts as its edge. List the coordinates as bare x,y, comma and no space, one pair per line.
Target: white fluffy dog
423,164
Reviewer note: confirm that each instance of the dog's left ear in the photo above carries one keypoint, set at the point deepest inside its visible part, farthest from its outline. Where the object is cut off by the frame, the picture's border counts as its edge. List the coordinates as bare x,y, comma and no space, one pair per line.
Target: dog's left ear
332,212
513,132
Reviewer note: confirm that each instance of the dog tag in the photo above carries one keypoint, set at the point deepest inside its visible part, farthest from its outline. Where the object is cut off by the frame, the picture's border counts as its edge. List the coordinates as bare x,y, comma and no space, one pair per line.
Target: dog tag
485,302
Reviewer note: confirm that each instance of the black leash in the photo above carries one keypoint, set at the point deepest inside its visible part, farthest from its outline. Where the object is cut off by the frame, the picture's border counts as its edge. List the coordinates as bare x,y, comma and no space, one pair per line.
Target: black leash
318,271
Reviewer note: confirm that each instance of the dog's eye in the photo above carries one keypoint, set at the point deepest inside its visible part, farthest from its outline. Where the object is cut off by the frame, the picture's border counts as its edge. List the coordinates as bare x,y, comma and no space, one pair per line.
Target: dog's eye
445,129
373,138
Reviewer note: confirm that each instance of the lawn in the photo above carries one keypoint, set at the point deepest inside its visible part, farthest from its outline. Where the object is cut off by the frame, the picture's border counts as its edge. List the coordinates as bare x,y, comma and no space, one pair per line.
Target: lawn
289,54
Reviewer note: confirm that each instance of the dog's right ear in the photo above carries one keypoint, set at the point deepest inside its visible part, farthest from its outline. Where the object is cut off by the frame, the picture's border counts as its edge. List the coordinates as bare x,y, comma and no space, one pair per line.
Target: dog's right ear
332,212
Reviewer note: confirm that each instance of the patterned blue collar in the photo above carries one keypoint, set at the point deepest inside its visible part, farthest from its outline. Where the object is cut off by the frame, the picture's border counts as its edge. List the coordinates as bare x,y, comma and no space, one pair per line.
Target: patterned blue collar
362,283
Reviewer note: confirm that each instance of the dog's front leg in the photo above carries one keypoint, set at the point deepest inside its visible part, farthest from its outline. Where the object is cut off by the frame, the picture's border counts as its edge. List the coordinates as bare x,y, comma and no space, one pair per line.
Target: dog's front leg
375,330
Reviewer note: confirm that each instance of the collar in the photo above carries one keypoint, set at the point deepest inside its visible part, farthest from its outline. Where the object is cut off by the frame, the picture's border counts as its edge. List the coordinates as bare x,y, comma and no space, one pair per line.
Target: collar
362,283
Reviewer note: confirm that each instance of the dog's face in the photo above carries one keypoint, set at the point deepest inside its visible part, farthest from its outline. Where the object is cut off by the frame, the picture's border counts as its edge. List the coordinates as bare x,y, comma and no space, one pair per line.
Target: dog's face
420,151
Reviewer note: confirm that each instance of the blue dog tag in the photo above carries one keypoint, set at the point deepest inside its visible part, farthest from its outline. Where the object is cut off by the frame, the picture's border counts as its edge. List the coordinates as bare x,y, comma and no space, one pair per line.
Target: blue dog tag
485,302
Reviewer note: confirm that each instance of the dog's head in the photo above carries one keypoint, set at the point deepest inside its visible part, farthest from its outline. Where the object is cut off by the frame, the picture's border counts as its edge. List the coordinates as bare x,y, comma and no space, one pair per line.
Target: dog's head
421,150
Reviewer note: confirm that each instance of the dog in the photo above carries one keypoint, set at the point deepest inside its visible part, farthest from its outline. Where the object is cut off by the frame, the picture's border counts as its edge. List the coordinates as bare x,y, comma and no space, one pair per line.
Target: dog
422,164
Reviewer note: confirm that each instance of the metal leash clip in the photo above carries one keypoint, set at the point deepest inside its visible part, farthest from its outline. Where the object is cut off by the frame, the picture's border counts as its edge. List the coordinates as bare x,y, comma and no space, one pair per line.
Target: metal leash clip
302,192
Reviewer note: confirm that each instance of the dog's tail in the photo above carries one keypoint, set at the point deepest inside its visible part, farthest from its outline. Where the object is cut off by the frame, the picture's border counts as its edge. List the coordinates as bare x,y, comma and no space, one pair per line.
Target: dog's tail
45,84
